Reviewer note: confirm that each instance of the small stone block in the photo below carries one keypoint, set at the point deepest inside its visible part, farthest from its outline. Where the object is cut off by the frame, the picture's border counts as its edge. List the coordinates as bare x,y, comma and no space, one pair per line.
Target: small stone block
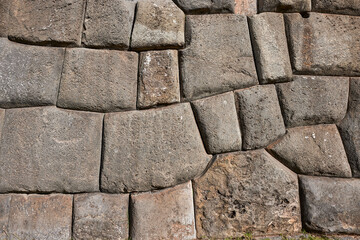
284,5
246,7
347,7
4,16
206,6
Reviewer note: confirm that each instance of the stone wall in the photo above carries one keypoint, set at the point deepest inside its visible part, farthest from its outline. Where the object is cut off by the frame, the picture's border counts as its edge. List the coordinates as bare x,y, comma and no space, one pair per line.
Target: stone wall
184,119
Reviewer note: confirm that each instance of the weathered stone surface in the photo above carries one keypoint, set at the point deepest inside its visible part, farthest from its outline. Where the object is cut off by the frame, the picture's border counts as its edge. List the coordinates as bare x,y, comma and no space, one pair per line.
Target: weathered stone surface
4,15
158,78
108,23
98,80
348,7
159,24
5,200
218,123
219,56
246,192
260,116
330,204
101,216
166,214
206,6
246,7
151,149
47,149
270,47
324,44
44,22
29,75
313,150
284,5
2,117
312,100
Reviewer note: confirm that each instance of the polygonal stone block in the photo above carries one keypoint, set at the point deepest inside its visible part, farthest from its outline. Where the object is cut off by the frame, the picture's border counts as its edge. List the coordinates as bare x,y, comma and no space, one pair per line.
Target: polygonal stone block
4,16
246,7
347,7
284,5
206,6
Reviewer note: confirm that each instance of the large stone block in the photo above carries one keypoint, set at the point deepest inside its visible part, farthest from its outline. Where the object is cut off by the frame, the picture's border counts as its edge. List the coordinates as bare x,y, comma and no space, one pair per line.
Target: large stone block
246,7
219,56
29,75
330,205
151,149
98,80
347,7
47,149
324,44
166,214
246,192
4,16
206,6
284,5
312,100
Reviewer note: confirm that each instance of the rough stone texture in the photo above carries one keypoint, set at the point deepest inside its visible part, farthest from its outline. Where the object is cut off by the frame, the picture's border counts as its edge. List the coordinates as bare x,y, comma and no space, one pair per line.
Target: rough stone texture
4,15
206,6
219,56
246,192
330,204
312,100
260,116
218,123
2,117
101,216
324,44
246,7
50,150
44,21
313,150
166,214
5,200
108,23
284,5
159,24
151,149
270,48
98,80
347,7
29,75
158,78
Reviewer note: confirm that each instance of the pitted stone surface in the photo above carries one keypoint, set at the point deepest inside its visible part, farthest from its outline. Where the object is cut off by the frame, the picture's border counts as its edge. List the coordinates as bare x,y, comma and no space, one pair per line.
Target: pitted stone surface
260,116
158,78
312,100
246,7
284,5
98,80
4,16
246,192
313,150
348,7
101,216
165,214
2,117
218,123
151,149
29,75
324,44
5,200
330,204
219,56
206,6
50,150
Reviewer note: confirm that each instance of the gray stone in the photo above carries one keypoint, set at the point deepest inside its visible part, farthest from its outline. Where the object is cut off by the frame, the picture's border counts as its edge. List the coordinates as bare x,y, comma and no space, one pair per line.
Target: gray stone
5,200
324,44
330,204
246,7
159,24
347,7
218,123
166,214
246,192
219,56
260,116
47,22
284,5
2,117
29,75
101,216
98,80
270,47
312,100
206,6
151,149
4,15
158,78
47,149
313,150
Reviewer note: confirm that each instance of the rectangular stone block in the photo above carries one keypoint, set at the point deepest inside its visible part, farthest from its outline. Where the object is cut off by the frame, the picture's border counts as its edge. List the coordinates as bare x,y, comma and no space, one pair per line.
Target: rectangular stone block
284,5
5,200
4,16
245,7
347,7
206,6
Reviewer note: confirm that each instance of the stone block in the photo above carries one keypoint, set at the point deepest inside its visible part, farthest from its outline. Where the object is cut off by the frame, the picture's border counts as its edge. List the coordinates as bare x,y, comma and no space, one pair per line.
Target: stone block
313,150
166,214
98,80
218,123
324,44
246,192
159,24
246,7
330,205
101,216
5,200
158,78
29,75
47,149
4,16
206,6
270,48
347,7
219,56
260,116
151,149
310,100
47,22
284,5
2,117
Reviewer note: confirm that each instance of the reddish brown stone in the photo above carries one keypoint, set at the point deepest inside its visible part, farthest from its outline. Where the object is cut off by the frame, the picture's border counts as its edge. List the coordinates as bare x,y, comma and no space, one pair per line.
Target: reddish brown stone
246,7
